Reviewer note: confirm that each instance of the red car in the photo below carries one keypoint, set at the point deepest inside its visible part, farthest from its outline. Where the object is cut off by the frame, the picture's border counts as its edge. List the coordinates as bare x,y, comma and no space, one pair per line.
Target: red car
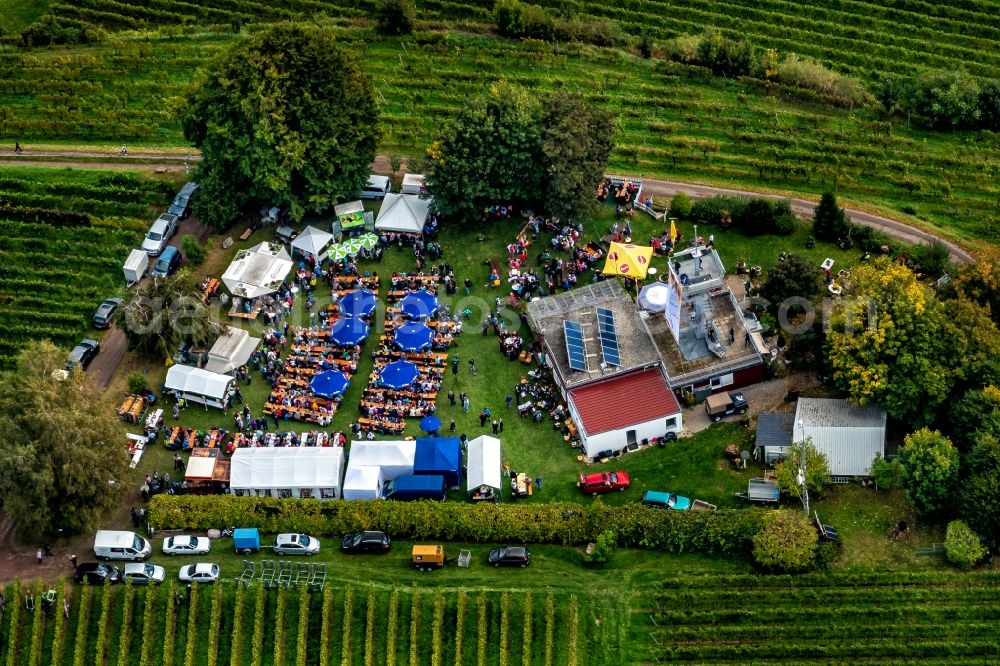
603,482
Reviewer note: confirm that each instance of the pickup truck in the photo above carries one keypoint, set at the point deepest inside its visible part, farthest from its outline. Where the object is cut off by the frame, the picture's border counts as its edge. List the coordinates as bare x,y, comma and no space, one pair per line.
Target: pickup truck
724,404
603,482
659,499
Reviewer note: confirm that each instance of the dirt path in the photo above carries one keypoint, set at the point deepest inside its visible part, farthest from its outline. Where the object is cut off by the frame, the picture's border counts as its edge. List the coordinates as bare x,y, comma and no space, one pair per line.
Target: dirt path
173,163
113,347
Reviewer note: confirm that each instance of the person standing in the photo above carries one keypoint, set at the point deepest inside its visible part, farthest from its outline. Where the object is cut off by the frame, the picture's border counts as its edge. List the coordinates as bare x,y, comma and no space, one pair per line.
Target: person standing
18,151
72,560
38,555
482,418
466,404
508,400
496,426
468,286
452,427
501,424
451,398
472,366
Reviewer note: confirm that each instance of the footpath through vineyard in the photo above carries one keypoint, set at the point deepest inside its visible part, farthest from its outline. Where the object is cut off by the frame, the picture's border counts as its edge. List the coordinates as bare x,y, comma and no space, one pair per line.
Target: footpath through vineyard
176,162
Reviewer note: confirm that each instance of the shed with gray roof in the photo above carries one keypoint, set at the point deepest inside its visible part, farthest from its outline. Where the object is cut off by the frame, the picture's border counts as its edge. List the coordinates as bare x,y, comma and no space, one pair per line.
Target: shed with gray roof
850,436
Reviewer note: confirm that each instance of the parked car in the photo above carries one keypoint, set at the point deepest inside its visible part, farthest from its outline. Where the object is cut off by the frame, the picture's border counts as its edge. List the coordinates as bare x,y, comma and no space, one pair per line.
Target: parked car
83,354
181,206
119,545
106,312
203,572
376,187
661,499
159,234
511,556
186,545
603,482
168,262
724,404
95,573
143,574
295,544
366,542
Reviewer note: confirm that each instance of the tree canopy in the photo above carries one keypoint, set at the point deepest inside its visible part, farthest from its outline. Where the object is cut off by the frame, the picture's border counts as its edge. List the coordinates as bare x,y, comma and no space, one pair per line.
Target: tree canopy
817,470
508,147
787,542
286,117
793,277
930,471
165,313
830,223
63,452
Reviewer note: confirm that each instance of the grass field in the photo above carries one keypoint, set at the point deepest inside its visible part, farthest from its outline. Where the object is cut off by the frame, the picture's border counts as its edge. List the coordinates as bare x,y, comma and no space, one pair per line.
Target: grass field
672,120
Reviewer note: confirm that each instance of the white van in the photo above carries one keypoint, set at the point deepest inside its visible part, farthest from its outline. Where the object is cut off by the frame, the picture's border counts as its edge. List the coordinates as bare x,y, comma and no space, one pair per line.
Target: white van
115,545
377,187
413,183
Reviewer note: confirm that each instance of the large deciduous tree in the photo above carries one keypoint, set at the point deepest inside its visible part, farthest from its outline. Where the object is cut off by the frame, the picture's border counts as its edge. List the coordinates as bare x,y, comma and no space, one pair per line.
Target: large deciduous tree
166,313
286,117
792,277
886,347
930,471
508,147
62,452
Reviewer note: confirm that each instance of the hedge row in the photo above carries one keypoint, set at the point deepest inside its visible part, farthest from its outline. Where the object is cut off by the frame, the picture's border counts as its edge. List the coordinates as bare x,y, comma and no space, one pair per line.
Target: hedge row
561,523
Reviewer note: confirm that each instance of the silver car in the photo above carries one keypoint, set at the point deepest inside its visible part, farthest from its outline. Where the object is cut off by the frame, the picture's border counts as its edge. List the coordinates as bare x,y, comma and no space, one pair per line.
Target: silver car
143,574
203,572
295,544
186,545
159,234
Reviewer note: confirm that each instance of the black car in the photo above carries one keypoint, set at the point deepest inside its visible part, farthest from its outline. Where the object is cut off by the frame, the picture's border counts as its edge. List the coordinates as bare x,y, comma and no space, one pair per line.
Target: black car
83,354
96,573
181,206
106,312
366,542
511,556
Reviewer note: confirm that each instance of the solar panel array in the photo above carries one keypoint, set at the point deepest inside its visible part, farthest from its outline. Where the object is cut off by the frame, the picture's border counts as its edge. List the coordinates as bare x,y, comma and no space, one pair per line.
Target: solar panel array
574,346
608,336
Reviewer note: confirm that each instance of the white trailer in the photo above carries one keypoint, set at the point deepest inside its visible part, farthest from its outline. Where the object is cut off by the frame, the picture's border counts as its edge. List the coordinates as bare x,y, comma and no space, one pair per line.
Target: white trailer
135,267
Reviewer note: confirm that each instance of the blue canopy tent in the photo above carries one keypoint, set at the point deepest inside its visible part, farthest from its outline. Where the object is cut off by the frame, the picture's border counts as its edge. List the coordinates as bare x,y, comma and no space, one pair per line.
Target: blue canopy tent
439,455
348,331
419,305
329,384
430,424
399,374
358,303
413,336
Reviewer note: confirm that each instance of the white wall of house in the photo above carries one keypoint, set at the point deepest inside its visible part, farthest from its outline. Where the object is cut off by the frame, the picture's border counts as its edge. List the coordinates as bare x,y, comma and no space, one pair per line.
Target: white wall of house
616,440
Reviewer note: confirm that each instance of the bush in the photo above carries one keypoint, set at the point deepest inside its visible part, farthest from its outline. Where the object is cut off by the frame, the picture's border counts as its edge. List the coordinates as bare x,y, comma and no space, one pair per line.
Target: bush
886,474
193,250
558,523
784,218
788,542
645,44
603,549
811,75
713,209
680,205
962,546
137,383
395,17
756,218
944,100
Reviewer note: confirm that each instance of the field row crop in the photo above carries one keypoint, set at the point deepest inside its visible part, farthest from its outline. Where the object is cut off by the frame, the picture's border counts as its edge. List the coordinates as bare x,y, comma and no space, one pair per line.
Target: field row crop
222,625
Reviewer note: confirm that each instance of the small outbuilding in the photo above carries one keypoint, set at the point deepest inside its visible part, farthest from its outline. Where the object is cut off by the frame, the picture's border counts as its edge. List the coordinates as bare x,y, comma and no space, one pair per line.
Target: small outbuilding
231,351
201,386
850,436
774,436
288,471
484,465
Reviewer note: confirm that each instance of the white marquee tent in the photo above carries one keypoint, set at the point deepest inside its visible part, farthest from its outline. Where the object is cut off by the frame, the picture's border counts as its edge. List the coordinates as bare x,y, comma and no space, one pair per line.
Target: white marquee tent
363,482
287,471
403,213
197,385
395,458
313,241
484,468
257,271
231,350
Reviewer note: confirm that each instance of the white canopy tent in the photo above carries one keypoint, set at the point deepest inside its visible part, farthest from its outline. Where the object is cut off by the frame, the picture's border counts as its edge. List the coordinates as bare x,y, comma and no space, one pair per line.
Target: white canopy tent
313,241
197,385
484,465
403,213
257,271
363,482
231,350
395,458
287,471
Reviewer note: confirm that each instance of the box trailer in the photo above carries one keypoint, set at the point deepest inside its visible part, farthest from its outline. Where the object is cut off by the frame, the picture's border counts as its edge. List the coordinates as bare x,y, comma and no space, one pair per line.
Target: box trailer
135,267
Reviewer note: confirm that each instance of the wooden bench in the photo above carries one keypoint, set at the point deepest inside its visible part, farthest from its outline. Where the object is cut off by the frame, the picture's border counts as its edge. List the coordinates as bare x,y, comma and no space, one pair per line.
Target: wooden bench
246,234
495,267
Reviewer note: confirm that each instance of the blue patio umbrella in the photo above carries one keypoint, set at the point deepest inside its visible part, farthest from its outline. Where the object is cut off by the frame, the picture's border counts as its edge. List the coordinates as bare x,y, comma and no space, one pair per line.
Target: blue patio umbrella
329,384
348,331
430,424
358,303
399,374
413,336
419,305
